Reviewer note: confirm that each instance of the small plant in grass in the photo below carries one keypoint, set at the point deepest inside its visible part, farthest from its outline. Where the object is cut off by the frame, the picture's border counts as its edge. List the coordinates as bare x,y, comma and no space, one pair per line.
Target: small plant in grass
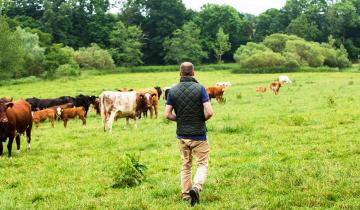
130,172
296,120
331,100
238,95
350,82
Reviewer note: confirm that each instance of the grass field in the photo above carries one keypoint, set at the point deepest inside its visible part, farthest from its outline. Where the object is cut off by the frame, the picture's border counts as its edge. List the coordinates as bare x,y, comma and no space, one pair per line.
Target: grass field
299,149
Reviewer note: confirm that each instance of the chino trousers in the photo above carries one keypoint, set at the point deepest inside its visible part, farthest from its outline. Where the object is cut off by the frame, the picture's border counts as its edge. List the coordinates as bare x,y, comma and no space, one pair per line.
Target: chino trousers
188,149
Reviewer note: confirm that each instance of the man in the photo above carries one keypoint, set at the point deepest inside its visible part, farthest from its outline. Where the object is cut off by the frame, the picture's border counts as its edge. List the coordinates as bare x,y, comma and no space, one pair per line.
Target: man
192,107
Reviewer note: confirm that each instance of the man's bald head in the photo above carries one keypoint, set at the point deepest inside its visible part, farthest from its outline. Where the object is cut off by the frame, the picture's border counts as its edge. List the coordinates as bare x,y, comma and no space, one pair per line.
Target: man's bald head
186,69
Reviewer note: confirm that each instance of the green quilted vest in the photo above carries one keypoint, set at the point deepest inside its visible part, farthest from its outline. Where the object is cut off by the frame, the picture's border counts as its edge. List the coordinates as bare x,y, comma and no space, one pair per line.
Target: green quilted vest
186,100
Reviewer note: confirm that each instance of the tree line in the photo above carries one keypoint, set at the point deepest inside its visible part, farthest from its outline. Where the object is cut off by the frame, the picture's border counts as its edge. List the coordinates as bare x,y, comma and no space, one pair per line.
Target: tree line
50,37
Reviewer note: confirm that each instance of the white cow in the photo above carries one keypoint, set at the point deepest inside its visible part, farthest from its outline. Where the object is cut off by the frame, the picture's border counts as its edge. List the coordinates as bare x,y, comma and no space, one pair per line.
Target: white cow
223,84
115,104
284,79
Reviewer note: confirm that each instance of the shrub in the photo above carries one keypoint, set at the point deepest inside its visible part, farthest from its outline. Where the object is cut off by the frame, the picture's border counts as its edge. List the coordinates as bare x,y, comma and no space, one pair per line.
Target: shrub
247,50
342,59
309,53
67,70
331,101
277,42
292,60
264,60
296,120
130,173
56,56
239,95
94,57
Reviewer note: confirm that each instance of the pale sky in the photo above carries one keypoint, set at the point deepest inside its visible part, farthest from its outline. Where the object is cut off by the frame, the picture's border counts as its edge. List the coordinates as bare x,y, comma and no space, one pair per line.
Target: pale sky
254,7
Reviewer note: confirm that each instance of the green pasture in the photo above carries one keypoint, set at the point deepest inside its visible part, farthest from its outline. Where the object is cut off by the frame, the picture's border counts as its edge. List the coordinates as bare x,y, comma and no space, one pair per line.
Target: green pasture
297,150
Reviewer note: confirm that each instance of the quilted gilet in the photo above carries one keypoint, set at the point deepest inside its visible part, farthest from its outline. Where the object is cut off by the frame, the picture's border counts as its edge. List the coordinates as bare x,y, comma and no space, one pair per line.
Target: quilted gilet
187,103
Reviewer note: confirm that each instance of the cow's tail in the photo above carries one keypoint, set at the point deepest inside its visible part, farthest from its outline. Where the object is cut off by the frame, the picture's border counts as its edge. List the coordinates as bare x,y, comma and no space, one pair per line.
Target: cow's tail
102,110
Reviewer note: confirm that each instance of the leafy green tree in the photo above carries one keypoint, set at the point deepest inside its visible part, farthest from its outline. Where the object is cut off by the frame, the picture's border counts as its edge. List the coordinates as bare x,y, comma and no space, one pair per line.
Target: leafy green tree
126,45
212,17
57,55
340,18
157,19
270,22
222,44
184,45
100,27
11,52
33,54
303,28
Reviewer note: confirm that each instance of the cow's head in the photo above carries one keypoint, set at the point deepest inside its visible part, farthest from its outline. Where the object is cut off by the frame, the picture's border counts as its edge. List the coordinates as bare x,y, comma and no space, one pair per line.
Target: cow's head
92,99
59,110
3,108
148,97
159,91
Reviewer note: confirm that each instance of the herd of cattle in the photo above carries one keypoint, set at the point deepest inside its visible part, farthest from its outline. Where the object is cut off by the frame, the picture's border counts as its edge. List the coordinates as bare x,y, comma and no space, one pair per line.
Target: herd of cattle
17,117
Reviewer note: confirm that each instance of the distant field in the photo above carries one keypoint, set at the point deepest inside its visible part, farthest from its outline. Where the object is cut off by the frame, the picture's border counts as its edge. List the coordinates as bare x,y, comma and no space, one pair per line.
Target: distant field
300,149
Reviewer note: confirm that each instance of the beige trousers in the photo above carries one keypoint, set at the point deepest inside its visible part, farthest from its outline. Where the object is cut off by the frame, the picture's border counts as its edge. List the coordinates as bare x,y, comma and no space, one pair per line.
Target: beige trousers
200,149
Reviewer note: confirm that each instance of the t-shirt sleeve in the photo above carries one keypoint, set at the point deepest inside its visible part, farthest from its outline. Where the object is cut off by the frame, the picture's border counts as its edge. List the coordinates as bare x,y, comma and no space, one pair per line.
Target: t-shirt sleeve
204,95
168,100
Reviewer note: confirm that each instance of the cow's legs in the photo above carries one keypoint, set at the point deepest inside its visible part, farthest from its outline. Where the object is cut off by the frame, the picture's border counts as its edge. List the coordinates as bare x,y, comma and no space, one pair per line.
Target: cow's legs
1,148
28,135
65,122
151,112
9,145
52,119
18,143
156,108
111,120
136,122
104,121
126,123
83,120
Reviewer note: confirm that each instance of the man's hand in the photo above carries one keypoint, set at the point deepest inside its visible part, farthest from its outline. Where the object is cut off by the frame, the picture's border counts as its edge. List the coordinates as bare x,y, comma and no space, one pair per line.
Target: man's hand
208,111
168,113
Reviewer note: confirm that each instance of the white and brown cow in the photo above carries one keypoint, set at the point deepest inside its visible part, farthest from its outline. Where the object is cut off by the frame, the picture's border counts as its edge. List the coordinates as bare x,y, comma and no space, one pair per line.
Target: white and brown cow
115,104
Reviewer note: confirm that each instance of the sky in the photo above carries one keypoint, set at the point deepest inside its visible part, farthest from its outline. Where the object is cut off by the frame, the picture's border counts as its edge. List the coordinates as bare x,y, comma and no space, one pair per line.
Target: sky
254,7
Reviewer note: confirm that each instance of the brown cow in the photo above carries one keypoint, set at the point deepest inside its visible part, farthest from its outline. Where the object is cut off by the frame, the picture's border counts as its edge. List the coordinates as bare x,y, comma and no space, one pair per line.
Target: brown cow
151,101
15,119
216,92
275,87
261,89
42,115
71,113
63,106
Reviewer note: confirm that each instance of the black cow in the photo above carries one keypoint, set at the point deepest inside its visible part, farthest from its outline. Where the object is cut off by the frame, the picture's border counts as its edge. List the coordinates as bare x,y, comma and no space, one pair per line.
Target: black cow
40,104
84,101
33,102
67,99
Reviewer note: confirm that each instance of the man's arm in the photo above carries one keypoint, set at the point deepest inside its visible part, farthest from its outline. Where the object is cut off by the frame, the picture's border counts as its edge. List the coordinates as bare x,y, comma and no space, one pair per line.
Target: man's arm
208,111
168,113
